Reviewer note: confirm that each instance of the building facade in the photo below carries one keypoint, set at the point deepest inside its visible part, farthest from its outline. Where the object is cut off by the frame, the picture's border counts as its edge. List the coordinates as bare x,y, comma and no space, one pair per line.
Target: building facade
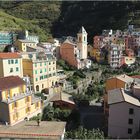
7,38
75,53
10,64
23,44
115,56
41,68
126,107
16,102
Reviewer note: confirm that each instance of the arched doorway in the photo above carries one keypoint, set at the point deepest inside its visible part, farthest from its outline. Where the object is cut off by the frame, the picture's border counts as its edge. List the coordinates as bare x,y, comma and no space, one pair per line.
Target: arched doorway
37,88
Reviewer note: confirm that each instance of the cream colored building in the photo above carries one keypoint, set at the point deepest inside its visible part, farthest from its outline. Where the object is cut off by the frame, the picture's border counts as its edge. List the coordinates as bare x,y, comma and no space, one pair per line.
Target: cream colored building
10,64
41,68
16,101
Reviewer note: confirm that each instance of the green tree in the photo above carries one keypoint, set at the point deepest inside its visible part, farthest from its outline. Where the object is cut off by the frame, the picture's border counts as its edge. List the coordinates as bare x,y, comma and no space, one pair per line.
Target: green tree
83,133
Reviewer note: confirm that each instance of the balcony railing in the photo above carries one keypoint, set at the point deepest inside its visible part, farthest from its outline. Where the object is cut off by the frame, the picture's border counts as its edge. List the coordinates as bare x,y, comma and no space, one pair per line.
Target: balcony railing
18,97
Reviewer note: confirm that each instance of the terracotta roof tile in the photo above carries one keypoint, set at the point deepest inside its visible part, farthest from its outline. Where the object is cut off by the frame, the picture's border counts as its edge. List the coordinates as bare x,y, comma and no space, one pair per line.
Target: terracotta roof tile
9,55
10,82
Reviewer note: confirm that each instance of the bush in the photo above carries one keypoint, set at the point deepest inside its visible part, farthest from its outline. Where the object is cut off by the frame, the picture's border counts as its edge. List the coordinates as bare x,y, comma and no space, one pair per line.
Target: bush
50,113
79,73
82,133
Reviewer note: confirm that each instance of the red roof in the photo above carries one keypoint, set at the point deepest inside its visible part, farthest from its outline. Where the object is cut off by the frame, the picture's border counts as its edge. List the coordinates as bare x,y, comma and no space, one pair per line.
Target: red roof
136,76
10,82
9,55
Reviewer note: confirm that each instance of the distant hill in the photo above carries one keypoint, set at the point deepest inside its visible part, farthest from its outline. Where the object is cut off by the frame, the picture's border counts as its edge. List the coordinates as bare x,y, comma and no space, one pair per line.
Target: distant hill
55,19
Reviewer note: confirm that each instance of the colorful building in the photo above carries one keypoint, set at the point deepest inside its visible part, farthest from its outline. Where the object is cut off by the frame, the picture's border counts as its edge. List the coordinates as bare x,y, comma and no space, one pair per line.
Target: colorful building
63,101
10,64
41,68
7,38
124,113
75,53
115,56
120,81
16,102
23,44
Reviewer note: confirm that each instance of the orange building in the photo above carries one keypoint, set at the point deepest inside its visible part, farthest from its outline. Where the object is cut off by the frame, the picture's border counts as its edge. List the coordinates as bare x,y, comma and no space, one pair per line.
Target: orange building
75,53
67,51
121,81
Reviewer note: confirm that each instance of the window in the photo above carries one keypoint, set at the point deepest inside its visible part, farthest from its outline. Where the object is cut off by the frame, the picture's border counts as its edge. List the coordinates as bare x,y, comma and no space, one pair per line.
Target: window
53,62
35,71
49,63
53,68
17,69
84,38
130,121
40,71
35,64
42,85
49,69
45,76
12,61
45,63
11,69
40,64
45,70
16,61
131,111
36,79
129,131
9,62
41,77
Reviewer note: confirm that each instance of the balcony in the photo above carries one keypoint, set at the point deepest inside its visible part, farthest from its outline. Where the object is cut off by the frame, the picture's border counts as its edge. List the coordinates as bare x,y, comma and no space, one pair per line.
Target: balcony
18,97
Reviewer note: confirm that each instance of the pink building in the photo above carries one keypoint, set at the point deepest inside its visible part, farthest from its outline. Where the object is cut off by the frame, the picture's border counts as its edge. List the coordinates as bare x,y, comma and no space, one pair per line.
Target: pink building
124,113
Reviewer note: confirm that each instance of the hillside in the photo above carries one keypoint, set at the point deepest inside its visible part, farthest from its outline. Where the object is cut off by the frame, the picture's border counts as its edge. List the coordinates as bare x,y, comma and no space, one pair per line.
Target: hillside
55,19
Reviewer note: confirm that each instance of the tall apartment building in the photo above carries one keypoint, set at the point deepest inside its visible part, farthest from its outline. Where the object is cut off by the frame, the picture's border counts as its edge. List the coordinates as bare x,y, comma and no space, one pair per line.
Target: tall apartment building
10,64
16,102
41,68
115,56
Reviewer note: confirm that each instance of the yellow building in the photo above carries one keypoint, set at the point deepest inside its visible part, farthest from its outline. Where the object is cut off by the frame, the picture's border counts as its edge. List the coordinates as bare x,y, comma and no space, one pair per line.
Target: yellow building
41,68
10,64
16,102
97,54
23,44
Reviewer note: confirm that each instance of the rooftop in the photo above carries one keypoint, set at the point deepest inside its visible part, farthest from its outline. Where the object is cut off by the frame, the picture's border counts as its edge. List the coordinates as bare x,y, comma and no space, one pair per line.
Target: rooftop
26,41
10,82
82,30
124,78
121,95
9,55
62,97
30,129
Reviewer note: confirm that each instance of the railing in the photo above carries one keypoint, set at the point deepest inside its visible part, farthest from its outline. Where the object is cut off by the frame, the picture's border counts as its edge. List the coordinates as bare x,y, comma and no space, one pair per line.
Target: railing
14,98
